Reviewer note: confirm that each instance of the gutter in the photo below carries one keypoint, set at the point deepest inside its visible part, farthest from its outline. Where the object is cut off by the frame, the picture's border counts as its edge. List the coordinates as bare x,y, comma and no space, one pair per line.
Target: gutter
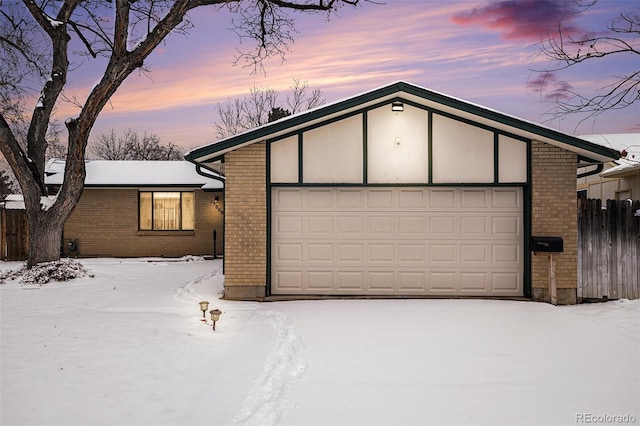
597,170
199,170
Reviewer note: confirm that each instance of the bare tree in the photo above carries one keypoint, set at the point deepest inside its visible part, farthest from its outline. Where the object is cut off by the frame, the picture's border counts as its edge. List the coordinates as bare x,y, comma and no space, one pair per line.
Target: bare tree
131,146
620,40
36,51
262,106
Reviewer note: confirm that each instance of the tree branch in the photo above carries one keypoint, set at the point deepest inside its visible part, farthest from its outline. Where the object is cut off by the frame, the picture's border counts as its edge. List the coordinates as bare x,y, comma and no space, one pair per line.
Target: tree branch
121,33
41,116
570,52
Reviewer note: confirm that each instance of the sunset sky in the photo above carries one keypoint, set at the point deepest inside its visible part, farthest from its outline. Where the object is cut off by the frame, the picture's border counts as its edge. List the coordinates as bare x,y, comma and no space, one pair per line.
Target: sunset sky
480,51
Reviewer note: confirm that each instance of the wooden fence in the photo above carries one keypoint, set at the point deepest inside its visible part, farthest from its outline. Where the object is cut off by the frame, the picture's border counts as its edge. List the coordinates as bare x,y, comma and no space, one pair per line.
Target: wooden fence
608,250
14,235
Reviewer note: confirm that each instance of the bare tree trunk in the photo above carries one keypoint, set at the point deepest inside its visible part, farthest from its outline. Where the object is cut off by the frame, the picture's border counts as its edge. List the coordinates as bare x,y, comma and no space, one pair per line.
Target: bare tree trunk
45,239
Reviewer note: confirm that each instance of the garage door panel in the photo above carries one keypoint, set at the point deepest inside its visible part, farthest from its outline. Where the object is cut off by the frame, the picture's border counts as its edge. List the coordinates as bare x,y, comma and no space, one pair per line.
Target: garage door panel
474,226
412,254
476,282
381,198
319,226
474,198
506,225
380,281
506,281
349,253
440,253
476,254
351,225
505,253
418,241
350,198
412,281
288,198
439,225
320,281
289,280
380,253
411,226
289,253
350,281
443,199
319,253
412,198
442,282
381,226
288,226
507,198
319,198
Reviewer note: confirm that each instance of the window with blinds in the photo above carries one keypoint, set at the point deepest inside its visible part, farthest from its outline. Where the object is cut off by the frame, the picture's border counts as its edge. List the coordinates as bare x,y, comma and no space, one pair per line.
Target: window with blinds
167,211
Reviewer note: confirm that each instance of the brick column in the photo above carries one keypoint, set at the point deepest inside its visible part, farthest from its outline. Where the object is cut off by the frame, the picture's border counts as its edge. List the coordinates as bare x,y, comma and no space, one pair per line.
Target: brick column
245,254
554,214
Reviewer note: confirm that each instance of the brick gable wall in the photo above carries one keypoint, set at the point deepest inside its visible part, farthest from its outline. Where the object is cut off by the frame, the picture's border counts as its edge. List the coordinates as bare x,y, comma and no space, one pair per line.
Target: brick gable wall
246,223
554,214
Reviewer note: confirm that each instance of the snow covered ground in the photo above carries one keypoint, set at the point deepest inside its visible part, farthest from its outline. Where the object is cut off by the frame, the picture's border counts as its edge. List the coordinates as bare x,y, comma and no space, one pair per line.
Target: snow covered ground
128,347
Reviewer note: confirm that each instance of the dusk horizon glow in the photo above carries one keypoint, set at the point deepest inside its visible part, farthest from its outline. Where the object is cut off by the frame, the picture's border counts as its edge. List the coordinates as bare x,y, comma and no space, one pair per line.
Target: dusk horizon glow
484,52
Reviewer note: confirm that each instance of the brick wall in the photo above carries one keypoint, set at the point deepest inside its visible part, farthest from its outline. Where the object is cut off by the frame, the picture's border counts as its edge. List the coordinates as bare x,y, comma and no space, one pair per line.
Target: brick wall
554,213
246,224
105,222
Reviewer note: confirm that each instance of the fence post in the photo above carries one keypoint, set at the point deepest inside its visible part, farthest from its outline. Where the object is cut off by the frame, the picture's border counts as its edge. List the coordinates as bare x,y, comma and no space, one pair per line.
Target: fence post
553,290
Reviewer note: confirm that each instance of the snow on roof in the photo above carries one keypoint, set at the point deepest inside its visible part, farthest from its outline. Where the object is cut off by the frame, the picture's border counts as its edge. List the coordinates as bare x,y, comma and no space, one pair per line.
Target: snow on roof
13,202
137,173
623,142
621,169
55,165
16,202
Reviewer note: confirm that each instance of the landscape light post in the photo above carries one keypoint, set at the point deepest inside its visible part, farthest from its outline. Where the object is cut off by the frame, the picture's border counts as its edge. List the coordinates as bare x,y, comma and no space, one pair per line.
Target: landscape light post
215,316
204,305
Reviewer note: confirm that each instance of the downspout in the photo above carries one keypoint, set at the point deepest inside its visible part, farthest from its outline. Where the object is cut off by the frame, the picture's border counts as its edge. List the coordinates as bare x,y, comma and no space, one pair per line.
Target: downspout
201,172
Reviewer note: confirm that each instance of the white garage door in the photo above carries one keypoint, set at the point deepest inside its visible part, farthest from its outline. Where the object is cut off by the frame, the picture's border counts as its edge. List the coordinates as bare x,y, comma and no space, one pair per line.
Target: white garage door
397,241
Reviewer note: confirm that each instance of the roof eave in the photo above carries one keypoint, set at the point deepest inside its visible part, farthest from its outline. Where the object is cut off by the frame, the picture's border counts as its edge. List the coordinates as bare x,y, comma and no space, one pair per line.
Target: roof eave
594,152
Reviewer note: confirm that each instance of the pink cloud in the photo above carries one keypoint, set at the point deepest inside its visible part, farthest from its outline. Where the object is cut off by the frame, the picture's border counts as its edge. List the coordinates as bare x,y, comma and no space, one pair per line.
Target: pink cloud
522,19
551,87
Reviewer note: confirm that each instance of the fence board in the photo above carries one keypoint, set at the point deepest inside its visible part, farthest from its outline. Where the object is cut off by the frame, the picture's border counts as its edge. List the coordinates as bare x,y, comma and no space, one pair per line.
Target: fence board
608,250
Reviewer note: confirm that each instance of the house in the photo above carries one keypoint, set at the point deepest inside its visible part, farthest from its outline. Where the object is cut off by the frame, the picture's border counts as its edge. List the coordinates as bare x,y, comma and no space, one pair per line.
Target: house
143,208
398,192
615,180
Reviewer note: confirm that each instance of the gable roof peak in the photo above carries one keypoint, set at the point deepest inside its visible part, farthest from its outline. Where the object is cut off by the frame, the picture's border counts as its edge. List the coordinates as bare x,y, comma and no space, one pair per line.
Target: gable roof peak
436,102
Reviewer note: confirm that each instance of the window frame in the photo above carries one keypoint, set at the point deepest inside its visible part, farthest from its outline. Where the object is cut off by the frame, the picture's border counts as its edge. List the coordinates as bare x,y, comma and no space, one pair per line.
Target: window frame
180,214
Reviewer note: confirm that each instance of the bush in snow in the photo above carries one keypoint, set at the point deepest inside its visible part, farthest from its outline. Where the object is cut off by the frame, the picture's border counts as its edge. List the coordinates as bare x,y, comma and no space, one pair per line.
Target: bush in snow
191,257
42,273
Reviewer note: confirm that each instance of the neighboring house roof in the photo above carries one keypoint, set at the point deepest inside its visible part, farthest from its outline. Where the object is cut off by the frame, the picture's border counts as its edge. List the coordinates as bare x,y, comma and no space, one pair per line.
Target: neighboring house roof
628,143
102,173
16,202
13,202
53,166
407,92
